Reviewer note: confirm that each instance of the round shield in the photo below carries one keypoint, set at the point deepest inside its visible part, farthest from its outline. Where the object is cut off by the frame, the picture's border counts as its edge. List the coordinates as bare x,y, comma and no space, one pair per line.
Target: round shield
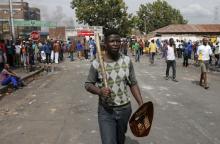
141,121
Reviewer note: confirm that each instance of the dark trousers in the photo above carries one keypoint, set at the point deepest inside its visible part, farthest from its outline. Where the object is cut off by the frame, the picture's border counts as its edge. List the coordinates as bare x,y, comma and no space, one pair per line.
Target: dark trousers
179,52
71,56
171,63
86,53
152,55
1,66
217,59
137,55
185,60
31,59
47,58
113,123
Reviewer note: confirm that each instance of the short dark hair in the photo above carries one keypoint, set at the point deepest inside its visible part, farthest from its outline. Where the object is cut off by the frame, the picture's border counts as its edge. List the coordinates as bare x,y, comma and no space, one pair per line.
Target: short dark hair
171,42
109,32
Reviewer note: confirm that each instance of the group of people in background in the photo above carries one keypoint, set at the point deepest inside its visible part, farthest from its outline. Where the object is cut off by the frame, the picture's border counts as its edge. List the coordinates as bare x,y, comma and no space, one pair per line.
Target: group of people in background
83,49
26,53
204,53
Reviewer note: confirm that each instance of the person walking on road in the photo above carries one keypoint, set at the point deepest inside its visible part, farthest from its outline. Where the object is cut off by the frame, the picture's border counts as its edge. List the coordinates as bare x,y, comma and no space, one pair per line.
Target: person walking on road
170,59
114,107
153,50
204,52
71,50
185,55
136,47
92,48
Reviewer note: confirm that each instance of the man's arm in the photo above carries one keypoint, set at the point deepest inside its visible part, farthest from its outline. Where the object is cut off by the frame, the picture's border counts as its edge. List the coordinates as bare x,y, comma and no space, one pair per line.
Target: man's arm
90,84
10,73
136,93
134,85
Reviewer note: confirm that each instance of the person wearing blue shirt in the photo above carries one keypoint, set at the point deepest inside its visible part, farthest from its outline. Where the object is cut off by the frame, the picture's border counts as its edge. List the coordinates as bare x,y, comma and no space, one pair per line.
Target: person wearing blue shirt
79,48
47,49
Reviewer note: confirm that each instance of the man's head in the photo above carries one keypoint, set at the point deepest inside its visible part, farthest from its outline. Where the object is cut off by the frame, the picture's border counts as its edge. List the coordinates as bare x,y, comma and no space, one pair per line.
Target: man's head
113,44
171,42
205,41
6,66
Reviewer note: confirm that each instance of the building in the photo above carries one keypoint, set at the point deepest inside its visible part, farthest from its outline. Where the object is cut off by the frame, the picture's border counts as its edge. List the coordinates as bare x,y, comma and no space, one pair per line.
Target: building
34,14
58,33
188,31
21,11
63,33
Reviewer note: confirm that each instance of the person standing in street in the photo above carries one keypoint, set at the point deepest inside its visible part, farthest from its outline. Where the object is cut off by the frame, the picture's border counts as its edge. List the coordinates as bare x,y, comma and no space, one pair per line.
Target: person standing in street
170,59
92,46
153,50
124,47
71,50
204,52
185,55
79,49
47,50
114,108
136,47
56,48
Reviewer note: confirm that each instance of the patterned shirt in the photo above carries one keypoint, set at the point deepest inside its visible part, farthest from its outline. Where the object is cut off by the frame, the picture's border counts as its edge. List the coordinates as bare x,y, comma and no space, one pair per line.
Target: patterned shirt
119,74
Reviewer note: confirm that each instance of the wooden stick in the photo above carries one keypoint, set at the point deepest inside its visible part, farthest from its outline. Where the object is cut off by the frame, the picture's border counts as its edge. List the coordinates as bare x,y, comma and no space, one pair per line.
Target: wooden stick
100,57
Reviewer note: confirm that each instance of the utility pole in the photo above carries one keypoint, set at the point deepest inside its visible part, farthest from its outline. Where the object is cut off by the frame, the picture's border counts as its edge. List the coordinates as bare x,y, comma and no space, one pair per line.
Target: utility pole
12,21
145,27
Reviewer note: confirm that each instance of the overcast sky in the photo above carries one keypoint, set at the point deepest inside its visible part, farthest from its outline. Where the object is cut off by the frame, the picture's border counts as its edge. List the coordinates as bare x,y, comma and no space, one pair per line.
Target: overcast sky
195,11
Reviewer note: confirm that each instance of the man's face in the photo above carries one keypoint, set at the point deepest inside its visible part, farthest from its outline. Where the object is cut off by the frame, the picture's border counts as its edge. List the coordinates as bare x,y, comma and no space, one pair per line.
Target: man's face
7,66
205,41
113,44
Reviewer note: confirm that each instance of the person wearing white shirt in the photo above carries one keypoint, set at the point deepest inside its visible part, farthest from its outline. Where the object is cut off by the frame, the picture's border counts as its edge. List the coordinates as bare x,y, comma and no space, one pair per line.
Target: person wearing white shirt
204,52
170,59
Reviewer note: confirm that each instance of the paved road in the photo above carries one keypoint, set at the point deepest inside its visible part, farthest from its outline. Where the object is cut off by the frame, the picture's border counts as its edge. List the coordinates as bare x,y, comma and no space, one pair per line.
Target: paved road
55,108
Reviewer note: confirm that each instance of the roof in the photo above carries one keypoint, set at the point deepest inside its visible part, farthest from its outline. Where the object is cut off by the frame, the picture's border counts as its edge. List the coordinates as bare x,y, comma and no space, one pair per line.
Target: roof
190,28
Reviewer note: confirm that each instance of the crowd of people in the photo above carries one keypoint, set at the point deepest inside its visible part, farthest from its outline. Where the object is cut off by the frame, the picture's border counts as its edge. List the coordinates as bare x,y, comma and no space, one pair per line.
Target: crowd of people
203,52
27,54
184,49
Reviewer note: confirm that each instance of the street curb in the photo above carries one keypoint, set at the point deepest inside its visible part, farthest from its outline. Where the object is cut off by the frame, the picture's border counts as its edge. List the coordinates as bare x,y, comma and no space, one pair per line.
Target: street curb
24,78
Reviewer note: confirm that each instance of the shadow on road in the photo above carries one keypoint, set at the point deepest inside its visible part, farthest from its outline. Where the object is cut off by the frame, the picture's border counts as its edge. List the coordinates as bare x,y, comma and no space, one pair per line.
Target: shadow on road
131,141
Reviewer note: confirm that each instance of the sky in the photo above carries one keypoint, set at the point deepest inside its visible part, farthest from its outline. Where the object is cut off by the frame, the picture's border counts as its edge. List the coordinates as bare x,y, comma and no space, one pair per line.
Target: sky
195,11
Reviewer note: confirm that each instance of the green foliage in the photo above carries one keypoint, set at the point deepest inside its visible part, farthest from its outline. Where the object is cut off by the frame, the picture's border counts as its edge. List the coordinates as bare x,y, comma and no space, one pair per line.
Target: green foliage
111,14
158,14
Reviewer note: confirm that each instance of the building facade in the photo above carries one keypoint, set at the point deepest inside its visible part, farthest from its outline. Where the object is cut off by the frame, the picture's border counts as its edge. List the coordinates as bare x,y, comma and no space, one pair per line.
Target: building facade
187,32
21,11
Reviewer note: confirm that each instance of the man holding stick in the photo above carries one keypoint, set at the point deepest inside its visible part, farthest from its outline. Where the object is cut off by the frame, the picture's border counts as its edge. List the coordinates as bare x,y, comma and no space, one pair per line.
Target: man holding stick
108,78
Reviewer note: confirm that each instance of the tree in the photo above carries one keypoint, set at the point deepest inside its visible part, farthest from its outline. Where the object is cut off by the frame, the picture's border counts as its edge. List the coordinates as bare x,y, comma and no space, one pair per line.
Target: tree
111,14
158,14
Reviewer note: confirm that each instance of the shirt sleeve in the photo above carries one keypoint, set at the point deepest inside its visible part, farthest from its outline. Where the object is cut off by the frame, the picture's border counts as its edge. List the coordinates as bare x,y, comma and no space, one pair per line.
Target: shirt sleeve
132,77
92,76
